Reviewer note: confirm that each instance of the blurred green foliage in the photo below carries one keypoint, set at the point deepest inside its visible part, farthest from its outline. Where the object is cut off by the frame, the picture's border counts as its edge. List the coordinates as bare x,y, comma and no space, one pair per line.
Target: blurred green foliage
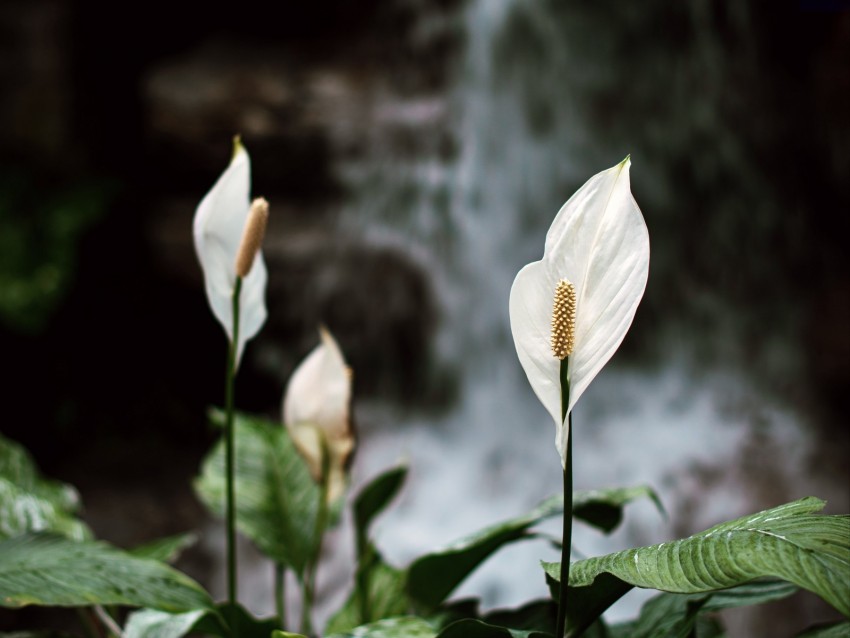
40,233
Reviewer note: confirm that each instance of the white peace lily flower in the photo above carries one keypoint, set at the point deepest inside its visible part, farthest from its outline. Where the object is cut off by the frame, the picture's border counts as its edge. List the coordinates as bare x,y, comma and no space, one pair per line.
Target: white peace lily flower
317,406
218,227
599,243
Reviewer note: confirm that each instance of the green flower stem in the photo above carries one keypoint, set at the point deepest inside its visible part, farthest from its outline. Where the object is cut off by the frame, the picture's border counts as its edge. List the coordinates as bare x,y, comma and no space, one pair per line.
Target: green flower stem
362,590
566,544
280,593
108,621
229,453
309,582
86,617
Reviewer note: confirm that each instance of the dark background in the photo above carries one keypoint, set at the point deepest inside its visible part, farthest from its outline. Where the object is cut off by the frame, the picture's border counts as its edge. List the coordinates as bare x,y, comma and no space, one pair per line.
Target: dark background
116,119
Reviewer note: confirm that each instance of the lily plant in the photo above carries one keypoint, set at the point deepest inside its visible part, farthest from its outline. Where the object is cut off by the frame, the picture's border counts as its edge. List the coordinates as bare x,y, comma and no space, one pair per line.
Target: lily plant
228,231
317,414
570,310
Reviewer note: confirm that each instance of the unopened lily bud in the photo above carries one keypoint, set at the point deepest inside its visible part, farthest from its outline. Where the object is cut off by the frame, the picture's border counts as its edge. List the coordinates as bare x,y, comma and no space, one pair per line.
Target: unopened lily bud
564,320
252,237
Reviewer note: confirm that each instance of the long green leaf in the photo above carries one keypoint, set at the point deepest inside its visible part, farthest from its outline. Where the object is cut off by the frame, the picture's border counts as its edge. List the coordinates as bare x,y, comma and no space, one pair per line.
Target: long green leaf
838,630
433,577
668,615
276,499
165,550
539,615
401,627
471,628
42,569
22,511
385,586
31,503
788,542
18,467
374,498
150,623
603,509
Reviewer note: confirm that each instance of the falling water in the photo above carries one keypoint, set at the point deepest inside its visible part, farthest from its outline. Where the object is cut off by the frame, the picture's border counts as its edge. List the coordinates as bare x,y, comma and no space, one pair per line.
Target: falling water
528,117
699,435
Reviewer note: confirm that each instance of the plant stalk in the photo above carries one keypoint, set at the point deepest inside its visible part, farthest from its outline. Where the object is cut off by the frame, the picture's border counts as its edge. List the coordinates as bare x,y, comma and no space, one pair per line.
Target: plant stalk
280,594
566,544
108,621
309,583
229,447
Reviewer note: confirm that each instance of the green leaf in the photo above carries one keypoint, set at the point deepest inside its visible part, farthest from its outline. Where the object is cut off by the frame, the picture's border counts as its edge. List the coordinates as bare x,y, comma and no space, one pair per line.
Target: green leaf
603,509
277,633
432,578
239,623
17,466
22,512
276,498
664,616
150,623
470,628
755,593
165,550
374,498
585,605
30,503
669,615
401,627
379,589
46,633
42,569
387,597
838,630
540,615
787,542
233,621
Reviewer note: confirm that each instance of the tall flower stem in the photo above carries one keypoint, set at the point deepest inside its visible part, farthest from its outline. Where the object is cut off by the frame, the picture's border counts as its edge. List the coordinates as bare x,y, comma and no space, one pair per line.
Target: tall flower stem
280,593
566,543
229,447
309,583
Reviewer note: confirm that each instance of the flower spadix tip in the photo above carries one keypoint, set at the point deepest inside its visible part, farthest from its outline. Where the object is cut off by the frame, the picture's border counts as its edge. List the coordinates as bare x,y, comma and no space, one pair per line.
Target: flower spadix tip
237,146
563,320
252,236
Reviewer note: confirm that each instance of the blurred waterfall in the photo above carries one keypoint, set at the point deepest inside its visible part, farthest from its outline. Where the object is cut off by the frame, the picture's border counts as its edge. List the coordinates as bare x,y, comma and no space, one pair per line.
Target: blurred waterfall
705,437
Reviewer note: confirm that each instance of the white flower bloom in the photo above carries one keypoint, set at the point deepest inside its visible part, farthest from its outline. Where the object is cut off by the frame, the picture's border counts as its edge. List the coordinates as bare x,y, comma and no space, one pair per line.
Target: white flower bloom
599,243
317,406
219,223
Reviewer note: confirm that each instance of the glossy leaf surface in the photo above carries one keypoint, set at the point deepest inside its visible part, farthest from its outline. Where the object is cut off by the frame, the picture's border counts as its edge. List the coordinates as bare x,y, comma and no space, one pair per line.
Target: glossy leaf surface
43,569
276,498
789,542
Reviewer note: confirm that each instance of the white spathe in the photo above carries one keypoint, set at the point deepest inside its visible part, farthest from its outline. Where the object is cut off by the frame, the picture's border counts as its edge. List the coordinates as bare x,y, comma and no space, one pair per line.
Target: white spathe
217,229
599,242
317,406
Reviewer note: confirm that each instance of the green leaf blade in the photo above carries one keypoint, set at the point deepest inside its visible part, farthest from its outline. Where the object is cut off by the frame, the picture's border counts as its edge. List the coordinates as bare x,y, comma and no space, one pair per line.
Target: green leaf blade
471,628
43,569
165,550
433,577
31,503
375,497
400,627
603,508
789,542
150,623
277,500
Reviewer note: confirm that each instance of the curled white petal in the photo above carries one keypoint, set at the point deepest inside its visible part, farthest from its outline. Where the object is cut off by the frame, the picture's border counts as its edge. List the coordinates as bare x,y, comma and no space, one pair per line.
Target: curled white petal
217,230
599,242
317,404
